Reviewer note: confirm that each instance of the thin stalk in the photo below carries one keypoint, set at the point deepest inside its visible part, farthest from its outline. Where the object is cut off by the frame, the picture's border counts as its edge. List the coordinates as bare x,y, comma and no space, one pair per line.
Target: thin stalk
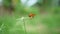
24,27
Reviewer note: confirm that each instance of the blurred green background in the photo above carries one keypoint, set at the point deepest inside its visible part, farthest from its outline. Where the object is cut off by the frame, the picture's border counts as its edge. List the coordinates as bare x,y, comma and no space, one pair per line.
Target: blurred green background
14,17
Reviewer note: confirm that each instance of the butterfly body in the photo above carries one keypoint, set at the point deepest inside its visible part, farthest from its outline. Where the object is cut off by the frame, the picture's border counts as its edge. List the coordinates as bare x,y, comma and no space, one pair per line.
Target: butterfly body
31,15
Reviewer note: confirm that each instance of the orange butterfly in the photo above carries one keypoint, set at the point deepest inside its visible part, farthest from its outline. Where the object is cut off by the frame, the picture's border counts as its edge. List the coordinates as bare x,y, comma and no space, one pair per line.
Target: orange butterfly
31,15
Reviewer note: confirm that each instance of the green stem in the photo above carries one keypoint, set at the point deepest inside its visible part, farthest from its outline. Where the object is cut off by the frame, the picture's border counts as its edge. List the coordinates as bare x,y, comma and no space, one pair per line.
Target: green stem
24,27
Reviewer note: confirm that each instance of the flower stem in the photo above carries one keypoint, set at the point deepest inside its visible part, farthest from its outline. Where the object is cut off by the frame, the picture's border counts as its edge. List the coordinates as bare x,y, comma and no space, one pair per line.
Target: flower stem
24,27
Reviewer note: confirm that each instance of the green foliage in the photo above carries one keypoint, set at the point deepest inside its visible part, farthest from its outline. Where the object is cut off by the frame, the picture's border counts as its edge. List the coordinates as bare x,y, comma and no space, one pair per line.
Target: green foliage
51,20
7,3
